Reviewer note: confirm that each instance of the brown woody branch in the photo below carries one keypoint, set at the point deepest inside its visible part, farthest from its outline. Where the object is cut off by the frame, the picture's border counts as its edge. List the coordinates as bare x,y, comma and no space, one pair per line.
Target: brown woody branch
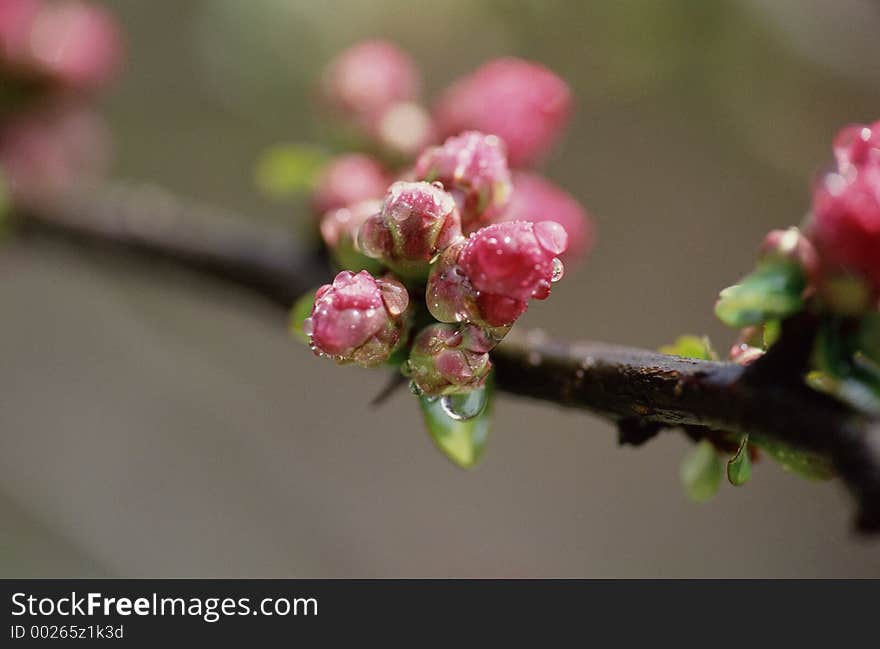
642,391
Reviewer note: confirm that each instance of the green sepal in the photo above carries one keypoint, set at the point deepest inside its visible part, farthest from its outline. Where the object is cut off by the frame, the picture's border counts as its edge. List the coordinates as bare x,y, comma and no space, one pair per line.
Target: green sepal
739,467
773,291
301,310
461,440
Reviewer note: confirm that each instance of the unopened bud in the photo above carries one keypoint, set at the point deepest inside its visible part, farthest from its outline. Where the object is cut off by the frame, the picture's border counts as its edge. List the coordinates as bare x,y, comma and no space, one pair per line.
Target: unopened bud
441,361
473,168
348,179
368,77
792,245
358,319
417,221
523,103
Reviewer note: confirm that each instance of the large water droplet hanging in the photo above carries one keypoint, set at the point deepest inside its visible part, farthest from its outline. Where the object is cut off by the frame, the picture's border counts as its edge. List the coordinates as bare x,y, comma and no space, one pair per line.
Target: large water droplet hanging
462,407
558,270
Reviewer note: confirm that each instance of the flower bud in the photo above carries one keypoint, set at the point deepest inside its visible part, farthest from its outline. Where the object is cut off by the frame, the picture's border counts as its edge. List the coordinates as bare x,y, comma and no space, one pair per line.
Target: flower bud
791,244
358,319
488,279
349,179
845,223
403,129
417,221
369,77
857,145
339,230
74,43
523,103
473,168
48,151
442,362
537,199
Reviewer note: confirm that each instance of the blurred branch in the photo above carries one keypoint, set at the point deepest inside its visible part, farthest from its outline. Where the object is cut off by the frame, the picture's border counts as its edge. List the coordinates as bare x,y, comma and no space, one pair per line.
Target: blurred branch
642,391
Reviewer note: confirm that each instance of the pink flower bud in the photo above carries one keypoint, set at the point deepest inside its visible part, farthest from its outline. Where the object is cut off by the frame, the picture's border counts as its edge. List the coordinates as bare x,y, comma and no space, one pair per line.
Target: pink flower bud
74,43
488,279
403,129
857,145
16,19
349,179
417,221
516,259
339,230
473,168
523,103
793,245
845,224
369,77
442,362
358,319
49,151
537,199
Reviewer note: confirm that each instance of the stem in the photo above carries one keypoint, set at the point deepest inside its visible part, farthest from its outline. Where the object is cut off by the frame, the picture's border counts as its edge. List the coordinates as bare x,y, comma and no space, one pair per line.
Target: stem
642,391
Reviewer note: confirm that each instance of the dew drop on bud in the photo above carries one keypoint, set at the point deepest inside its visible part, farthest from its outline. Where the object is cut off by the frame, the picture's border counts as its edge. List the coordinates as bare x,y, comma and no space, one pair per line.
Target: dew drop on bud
308,326
462,407
415,389
558,270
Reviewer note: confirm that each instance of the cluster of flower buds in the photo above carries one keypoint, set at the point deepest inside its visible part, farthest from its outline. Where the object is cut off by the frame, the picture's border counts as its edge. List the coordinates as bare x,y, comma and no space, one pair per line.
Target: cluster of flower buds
53,56
474,286
471,240
845,221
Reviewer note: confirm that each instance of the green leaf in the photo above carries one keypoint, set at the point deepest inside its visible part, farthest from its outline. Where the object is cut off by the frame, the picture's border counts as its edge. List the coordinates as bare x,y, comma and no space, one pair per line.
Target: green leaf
844,359
771,292
804,464
739,467
462,440
290,170
700,472
690,346
298,313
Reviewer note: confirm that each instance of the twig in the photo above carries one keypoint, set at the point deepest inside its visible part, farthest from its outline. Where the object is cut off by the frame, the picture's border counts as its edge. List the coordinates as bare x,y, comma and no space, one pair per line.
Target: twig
642,391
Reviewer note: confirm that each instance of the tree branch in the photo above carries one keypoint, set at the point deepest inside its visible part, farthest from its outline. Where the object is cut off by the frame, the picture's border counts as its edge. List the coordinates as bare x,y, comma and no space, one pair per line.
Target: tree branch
642,391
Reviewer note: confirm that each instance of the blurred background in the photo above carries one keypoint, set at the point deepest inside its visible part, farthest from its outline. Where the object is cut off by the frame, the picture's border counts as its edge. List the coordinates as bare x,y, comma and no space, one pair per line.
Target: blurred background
157,424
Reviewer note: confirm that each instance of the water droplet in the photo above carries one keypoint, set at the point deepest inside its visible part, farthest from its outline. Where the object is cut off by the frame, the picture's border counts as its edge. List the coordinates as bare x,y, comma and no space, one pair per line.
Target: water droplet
415,389
437,184
308,326
558,270
462,407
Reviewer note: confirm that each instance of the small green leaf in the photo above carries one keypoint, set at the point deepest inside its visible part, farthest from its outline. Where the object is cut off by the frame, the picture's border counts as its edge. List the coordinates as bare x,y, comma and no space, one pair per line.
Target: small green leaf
700,472
290,170
462,440
690,346
806,465
771,292
298,313
739,467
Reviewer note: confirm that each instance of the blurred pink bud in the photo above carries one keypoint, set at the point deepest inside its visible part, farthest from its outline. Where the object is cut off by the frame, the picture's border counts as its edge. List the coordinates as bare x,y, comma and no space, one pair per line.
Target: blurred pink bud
369,77
358,319
16,20
537,199
403,128
488,279
857,145
473,168
339,229
442,362
76,43
845,223
523,103
49,151
793,245
349,179
417,221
